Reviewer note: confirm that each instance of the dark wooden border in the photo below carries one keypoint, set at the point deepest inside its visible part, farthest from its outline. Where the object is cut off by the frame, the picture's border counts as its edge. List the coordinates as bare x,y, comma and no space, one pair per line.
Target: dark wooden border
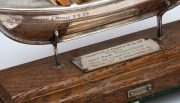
4,95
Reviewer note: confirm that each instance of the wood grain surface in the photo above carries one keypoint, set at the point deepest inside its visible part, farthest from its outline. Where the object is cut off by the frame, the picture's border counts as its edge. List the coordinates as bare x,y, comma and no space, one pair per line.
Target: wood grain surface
4,95
38,82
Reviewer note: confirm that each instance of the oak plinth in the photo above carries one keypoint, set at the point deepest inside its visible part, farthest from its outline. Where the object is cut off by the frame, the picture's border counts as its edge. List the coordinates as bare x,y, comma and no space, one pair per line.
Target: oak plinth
38,82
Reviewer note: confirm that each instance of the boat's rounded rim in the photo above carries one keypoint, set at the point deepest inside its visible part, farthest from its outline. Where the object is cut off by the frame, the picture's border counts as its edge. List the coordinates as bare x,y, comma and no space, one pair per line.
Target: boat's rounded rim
57,8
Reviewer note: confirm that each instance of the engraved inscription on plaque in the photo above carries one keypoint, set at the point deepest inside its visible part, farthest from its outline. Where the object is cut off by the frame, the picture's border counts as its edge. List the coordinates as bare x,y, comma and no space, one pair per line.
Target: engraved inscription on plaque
116,54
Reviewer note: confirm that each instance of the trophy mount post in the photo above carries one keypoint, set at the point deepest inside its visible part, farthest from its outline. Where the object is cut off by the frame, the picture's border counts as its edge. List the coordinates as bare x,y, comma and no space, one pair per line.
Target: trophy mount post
160,35
55,42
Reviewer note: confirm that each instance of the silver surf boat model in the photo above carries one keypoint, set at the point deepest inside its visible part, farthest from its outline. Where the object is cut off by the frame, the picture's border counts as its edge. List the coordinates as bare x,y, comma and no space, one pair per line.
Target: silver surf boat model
40,22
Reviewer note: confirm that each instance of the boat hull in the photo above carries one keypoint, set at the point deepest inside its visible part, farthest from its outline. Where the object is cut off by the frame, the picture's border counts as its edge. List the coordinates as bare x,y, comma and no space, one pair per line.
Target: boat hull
37,26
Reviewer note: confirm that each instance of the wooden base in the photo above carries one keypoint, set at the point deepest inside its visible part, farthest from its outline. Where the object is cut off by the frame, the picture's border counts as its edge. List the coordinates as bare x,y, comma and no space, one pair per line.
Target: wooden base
38,82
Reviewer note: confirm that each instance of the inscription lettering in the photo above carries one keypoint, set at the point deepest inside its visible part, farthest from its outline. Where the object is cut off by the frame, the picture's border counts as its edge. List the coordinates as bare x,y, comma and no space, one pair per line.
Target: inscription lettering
53,18
118,54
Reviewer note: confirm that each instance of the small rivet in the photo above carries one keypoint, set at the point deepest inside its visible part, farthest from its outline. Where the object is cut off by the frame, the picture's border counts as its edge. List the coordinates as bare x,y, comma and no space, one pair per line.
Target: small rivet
146,38
86,69
131,93
149,88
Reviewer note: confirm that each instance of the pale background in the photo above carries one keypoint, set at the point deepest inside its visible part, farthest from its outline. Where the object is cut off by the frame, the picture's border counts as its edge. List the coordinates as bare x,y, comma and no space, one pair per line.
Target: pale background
13,53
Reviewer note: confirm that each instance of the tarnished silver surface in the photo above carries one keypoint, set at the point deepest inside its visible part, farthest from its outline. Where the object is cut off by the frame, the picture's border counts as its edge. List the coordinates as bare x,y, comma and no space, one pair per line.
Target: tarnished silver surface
140,90
34,21
116,54
17,18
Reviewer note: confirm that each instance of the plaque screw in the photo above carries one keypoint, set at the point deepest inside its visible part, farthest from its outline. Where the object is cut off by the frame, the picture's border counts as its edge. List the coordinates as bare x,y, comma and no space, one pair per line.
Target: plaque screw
131,93
85,70
146,38
149,88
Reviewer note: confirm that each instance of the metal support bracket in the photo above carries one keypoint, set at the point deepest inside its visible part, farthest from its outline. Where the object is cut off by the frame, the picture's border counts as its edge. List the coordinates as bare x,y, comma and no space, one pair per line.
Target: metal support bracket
55,42
160,35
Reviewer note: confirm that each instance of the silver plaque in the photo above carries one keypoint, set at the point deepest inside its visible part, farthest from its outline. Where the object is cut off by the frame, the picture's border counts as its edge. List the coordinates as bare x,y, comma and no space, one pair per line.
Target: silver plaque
140,90
116,54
